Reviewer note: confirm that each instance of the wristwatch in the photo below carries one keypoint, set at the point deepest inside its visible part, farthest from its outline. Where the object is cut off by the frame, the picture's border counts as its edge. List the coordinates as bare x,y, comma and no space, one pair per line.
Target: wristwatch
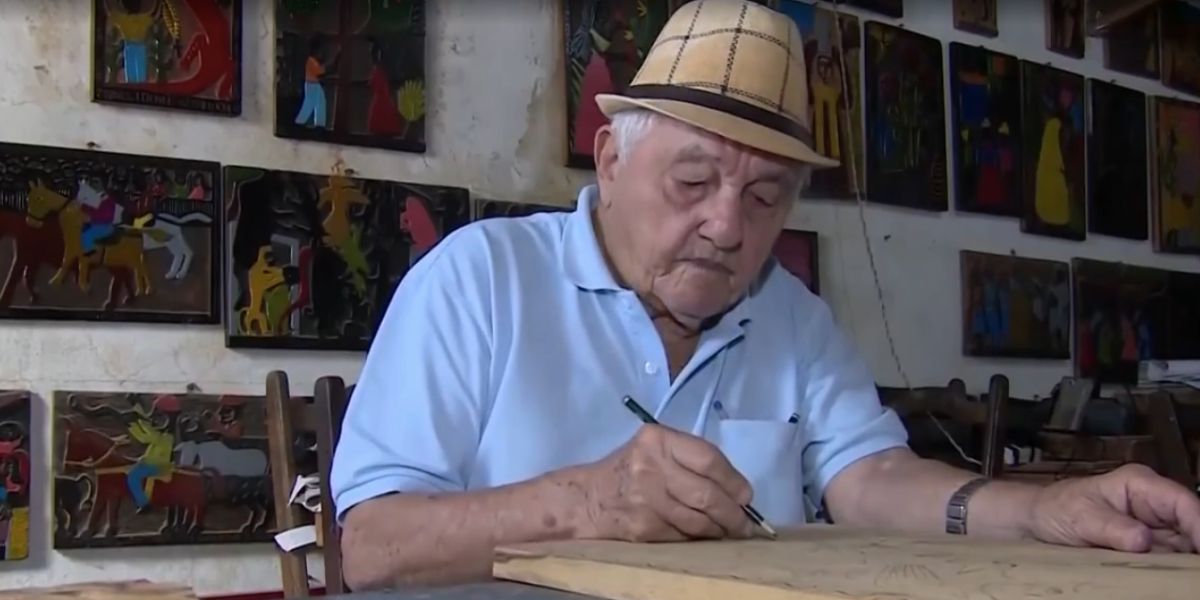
956,508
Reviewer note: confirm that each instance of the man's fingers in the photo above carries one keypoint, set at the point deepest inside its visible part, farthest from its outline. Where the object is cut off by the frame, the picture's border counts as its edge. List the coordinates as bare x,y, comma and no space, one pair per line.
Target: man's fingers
706,460
1109,528
704,496
1172,540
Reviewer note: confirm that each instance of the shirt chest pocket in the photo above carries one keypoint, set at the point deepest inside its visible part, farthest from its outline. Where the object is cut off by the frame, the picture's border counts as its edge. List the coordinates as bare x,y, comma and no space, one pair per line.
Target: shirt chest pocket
768,454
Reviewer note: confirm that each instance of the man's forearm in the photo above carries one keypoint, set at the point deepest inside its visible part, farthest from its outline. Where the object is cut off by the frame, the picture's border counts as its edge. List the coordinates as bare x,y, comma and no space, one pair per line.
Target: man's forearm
430,539
900,491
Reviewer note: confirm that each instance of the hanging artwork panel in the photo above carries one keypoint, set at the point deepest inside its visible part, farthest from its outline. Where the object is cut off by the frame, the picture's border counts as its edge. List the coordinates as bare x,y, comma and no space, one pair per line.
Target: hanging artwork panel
1183,316
976,16
906,119
833,53
311,261
109,237
1065,27
1120,314
487,208
1118,202
797,252
890,8
16,476
1176,201
182,54
1015,307
1054,153
1132,46
1181,46
351,73
152,469
985,96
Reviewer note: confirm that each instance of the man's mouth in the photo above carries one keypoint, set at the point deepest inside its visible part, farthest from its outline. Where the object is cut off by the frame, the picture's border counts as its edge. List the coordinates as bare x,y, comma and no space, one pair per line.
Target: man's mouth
710,265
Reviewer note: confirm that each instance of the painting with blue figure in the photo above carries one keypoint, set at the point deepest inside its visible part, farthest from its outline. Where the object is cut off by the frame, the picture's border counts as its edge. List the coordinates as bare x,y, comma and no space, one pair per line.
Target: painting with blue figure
985,97
1015,306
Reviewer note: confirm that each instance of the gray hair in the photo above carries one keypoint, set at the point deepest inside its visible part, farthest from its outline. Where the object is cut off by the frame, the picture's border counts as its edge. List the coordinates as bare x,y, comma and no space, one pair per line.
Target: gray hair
630,126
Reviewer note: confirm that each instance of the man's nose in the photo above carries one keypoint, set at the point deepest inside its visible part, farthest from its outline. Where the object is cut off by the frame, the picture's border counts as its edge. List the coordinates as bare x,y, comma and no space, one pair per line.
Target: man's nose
723,223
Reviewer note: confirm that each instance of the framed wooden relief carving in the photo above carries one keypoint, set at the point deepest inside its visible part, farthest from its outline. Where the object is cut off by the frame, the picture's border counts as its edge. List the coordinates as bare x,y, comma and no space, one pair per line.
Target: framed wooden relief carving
16,476
181,54
351,73
311,261
109,237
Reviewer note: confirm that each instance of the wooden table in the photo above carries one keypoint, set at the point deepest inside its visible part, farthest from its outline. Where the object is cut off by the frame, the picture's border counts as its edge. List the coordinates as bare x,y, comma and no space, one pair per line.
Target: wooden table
832,563
500,590
121,590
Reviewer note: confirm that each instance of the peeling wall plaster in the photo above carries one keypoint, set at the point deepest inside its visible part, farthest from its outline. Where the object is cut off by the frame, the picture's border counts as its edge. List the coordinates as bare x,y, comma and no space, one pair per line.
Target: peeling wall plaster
496,114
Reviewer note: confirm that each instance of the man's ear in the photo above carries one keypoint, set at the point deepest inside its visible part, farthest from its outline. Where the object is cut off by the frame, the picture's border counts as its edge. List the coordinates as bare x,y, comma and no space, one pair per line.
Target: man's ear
606,153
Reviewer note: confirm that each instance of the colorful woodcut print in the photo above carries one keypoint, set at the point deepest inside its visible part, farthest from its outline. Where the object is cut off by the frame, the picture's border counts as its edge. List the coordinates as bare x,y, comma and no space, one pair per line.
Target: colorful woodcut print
351,72
159,469
1176,208
1132,46
1065,27
1120,315
836,116
103,236
797,251
891,8
1015,307
487,209
184,54
15,473
1118,201
312,260
976,16
1181,46
606,43
1053,156
985,96
906,119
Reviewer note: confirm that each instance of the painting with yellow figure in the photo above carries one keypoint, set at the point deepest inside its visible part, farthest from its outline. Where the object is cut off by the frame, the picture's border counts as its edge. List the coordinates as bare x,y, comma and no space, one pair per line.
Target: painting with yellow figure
14,474
312,260
1054,134
1177,176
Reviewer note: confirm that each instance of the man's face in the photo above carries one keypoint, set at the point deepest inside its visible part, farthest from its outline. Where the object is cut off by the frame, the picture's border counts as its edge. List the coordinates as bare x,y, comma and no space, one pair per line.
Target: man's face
690,218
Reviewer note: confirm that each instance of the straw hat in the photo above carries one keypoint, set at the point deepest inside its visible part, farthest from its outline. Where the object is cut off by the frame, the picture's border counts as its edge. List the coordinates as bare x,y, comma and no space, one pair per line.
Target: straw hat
729,67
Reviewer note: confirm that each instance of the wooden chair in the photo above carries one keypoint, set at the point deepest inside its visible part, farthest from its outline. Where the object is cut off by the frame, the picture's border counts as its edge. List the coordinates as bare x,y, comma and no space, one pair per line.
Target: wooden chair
289,419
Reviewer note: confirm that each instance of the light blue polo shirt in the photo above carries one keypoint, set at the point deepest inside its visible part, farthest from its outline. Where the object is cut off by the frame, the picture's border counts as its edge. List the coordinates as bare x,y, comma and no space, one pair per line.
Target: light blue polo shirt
506,352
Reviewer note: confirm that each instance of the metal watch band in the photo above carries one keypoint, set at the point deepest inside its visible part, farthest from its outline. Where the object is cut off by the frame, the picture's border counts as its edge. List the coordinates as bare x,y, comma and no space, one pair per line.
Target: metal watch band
956,508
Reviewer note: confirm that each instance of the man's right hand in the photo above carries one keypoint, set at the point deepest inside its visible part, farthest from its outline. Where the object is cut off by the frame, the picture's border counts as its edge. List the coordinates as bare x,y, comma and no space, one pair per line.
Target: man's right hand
664,485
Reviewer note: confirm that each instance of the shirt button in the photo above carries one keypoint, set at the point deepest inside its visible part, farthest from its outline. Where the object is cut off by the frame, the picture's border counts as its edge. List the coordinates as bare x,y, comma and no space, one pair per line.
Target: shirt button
651,368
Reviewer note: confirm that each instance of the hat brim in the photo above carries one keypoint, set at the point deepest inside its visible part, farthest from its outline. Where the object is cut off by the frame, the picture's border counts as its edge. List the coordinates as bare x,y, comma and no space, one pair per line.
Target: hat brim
720,123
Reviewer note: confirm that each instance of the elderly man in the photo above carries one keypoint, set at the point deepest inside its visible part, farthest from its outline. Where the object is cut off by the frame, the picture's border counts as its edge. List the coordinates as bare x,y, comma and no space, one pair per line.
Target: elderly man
490,410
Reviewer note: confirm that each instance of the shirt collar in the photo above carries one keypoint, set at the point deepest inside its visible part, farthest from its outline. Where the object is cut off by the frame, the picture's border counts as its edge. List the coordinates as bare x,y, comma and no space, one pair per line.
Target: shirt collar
584,264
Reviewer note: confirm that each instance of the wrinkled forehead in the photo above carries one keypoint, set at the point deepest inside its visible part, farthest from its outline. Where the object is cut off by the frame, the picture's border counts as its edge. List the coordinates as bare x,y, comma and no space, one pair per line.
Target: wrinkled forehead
678,143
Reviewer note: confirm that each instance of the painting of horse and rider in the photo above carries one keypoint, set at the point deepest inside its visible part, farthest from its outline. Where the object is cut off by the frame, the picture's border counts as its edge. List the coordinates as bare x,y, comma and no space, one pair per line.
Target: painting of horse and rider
181,54
311,261
103,236
155,469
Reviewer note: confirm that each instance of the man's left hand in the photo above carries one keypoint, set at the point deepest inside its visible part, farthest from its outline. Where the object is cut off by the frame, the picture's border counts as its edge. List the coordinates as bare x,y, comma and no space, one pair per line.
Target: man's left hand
1131,508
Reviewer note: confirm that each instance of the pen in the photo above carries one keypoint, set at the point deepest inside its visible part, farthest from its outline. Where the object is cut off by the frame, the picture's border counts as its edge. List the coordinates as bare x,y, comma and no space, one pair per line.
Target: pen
751,513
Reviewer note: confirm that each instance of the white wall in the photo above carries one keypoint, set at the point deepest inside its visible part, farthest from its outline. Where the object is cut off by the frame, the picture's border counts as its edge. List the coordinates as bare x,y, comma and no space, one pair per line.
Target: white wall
496,115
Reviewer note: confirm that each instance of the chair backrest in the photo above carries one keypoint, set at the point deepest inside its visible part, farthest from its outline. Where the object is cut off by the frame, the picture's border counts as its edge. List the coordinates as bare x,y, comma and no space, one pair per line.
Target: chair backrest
287,418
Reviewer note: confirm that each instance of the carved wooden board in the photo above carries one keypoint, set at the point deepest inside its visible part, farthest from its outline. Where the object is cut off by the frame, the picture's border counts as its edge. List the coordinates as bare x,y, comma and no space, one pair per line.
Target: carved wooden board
125,590
828,563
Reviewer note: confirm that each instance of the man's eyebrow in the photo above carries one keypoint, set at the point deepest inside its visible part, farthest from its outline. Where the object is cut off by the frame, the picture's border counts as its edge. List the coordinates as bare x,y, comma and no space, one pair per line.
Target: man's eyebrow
694,153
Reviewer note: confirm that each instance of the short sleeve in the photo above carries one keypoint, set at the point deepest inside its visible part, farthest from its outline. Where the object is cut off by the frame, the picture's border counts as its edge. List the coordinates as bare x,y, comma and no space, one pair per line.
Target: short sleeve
844,419
415,418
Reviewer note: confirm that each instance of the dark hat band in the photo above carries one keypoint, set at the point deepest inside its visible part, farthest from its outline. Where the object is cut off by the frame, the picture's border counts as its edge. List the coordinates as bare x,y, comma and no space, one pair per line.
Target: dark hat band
725,104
